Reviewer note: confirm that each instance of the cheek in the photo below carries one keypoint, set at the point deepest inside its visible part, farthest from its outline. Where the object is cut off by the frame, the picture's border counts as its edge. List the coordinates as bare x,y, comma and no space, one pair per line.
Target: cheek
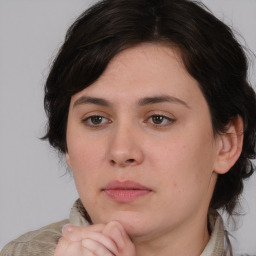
184,178
185,161
83,149
86,158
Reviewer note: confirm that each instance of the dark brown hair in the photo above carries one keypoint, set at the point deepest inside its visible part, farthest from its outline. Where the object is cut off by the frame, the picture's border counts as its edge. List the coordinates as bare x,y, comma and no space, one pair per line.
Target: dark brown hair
209,51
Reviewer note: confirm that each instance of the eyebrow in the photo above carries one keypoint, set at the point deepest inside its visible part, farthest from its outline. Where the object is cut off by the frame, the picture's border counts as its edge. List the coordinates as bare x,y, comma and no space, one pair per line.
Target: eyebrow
91,100
161,99
142,102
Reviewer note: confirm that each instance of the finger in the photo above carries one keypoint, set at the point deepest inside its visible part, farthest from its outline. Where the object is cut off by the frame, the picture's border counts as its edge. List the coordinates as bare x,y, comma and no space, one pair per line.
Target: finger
61,246
117,233
102,239
96,248
76,233
66,247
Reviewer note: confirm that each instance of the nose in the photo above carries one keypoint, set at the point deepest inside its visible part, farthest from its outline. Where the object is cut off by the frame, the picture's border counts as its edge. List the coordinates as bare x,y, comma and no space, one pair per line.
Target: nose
125,147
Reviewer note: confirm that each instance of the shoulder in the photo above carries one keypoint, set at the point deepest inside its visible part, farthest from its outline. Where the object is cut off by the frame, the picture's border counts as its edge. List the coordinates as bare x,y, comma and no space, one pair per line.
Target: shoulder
39,242
244,255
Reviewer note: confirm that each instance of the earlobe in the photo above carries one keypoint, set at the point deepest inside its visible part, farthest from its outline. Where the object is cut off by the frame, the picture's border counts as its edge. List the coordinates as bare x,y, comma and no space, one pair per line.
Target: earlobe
230,146
68,159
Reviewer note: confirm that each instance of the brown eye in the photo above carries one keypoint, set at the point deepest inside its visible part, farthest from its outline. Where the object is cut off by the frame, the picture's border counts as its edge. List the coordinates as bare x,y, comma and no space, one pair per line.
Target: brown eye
158,119
95,121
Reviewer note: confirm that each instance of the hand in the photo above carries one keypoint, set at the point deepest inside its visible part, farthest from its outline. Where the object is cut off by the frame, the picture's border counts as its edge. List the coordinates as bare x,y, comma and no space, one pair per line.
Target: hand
95,240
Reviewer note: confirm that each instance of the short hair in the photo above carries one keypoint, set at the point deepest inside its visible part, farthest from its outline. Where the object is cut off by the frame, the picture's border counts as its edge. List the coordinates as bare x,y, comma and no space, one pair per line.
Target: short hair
208,48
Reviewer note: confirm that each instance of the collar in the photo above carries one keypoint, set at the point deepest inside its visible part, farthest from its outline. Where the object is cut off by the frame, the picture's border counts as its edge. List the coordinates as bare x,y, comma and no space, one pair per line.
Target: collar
78,215
215,246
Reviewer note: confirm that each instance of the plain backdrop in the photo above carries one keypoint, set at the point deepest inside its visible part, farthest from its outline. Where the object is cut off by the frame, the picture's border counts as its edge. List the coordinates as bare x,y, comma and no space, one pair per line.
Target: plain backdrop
34,189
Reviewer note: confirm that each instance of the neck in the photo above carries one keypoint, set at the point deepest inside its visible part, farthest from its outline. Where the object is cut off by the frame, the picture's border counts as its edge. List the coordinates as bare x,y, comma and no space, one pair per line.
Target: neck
190,239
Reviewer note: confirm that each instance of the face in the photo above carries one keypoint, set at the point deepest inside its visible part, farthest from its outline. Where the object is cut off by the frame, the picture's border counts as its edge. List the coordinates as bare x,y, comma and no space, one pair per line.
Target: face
141,145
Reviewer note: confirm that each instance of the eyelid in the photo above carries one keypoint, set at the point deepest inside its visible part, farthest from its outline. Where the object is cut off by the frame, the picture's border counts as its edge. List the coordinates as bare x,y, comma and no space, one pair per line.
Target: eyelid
161,113
171,119
95,113
87,117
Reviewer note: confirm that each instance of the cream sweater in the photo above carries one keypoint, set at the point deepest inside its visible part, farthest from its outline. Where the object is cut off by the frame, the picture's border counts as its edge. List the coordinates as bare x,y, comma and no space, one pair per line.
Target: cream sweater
44,241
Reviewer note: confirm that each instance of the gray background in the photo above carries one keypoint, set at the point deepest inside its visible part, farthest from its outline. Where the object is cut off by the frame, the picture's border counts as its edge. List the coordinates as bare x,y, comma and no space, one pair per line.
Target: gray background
34,190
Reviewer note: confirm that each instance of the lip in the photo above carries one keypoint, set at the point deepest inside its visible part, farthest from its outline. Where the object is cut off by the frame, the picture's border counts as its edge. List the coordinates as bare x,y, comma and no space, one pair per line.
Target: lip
125,191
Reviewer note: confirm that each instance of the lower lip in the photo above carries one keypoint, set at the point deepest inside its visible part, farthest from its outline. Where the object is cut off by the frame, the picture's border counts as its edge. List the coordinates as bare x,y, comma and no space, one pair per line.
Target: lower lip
123,196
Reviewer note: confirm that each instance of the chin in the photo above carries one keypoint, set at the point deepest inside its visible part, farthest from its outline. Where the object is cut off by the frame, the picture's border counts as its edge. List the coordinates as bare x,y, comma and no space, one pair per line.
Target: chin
135,224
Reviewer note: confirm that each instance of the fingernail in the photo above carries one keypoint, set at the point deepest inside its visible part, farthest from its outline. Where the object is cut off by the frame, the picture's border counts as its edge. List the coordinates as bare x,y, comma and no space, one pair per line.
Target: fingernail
67,228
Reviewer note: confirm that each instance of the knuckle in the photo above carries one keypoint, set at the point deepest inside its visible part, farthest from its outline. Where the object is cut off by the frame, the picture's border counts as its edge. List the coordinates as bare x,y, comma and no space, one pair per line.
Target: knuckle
115,223
86,242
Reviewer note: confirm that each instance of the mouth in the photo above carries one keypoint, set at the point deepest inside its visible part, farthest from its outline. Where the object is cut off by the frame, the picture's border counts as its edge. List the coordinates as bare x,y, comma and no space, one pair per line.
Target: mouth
125,191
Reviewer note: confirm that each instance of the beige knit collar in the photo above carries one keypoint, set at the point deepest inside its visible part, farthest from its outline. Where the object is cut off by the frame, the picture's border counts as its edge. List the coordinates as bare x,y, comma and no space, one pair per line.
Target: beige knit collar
215,246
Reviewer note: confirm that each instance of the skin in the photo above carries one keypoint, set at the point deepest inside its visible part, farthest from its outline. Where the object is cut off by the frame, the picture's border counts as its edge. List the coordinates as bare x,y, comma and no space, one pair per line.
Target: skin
99,239
167,146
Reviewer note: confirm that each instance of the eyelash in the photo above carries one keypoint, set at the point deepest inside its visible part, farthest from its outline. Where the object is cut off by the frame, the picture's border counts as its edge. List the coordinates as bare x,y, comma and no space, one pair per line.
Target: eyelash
89,119
168,121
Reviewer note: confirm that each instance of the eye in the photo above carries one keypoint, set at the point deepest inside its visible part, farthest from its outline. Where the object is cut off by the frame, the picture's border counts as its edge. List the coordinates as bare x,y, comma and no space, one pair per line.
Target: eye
160,120
95,121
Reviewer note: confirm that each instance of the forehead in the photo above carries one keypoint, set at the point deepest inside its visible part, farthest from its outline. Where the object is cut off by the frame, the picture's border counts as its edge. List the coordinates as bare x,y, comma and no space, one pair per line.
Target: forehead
142,71
144,61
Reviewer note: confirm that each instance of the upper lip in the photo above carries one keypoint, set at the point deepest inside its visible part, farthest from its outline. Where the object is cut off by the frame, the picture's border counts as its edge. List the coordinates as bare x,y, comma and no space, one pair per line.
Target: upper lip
125,185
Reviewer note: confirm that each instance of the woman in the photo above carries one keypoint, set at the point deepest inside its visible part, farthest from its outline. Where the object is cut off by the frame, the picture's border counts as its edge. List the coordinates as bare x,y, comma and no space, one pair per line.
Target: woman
149,102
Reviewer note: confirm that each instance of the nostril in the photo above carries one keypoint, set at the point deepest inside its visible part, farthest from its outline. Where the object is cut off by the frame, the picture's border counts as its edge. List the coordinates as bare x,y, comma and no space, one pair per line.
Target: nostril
130,160
122,163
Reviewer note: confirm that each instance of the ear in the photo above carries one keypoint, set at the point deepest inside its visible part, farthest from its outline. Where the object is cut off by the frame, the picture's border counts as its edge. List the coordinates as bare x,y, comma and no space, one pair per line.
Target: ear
230,146
68,159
